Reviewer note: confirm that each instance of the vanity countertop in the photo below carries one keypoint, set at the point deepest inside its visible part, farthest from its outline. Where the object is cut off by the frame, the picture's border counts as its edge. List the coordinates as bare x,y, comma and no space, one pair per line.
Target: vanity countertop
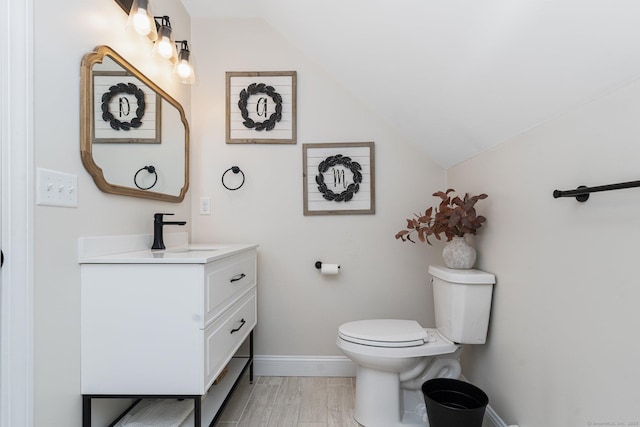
184,254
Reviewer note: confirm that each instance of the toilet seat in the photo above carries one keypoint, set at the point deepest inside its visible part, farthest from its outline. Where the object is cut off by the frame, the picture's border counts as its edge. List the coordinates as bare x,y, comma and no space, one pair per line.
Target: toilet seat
393,338
435,345
384,333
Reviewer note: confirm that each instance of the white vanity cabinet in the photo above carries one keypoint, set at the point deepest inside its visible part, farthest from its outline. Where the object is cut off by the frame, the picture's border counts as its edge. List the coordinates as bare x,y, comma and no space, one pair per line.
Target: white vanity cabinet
166,324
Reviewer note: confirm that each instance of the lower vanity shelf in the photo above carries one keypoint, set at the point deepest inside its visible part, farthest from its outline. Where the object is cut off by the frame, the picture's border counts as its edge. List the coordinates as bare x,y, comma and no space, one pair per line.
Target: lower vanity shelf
218,395
206,409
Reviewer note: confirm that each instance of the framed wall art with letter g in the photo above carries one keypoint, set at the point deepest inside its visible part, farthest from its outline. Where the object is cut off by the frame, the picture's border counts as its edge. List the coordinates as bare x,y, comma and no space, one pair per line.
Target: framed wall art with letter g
261,107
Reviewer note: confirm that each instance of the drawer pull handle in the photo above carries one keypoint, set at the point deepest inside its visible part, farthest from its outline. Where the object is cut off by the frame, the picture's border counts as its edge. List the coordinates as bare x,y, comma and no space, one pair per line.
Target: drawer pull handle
242,322
238,277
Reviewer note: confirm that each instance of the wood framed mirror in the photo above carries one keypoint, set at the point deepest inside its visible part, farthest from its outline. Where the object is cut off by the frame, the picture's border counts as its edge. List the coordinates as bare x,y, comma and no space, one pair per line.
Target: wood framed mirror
134,137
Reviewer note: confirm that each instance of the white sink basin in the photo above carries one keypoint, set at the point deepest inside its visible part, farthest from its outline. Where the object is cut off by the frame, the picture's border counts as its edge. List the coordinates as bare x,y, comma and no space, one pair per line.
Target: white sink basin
134,249
187,250
192,249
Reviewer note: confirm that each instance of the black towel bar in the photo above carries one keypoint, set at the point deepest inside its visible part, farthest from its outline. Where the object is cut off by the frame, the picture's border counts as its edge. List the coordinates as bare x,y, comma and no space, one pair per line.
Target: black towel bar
582,193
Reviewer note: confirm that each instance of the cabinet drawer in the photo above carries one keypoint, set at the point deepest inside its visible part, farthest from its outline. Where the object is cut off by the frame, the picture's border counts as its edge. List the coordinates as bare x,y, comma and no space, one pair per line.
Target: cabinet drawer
225,281
223,338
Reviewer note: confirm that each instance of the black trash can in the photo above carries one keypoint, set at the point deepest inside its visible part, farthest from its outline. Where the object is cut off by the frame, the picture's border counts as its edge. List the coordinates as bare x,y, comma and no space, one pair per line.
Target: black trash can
454,403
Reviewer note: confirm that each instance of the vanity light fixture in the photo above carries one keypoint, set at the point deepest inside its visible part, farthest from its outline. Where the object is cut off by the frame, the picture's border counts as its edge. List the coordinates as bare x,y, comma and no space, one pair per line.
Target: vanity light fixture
165,46
183,71
158,29
141,19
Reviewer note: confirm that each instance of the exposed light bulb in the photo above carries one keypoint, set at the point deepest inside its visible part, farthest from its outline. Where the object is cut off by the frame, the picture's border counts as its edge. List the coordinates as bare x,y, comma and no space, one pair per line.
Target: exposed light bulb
183,69
141,22
165,48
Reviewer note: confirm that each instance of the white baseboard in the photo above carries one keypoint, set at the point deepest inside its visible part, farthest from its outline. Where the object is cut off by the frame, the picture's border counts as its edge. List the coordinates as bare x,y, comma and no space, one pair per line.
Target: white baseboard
494,419
303,366
491,417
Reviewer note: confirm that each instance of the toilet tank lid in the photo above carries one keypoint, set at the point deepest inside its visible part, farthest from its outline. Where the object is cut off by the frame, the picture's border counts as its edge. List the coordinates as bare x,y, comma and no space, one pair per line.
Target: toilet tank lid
465,277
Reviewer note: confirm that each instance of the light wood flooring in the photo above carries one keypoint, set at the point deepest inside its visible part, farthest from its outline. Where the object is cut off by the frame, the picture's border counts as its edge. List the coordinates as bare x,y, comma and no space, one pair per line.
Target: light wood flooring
291,402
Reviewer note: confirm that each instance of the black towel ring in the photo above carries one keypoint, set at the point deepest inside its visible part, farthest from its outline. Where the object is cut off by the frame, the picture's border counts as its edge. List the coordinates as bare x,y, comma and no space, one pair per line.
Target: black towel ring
234,169
150,169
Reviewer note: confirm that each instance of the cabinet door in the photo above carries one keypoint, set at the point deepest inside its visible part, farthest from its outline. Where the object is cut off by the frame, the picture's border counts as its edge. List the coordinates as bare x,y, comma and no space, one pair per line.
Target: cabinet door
140,329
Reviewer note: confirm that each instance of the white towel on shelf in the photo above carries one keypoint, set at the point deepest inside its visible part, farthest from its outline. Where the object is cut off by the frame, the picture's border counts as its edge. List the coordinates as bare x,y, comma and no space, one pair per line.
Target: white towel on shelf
157,413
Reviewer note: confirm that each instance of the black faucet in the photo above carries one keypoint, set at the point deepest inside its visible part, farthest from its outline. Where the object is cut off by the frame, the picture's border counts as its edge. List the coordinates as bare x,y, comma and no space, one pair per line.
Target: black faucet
158,240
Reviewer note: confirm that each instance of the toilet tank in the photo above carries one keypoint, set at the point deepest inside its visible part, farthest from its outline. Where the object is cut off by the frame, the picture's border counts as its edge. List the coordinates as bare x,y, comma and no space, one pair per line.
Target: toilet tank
462,301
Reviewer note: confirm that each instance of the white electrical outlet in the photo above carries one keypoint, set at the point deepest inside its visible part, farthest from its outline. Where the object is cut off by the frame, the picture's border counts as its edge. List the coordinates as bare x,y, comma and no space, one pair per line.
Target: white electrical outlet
205,206
56,188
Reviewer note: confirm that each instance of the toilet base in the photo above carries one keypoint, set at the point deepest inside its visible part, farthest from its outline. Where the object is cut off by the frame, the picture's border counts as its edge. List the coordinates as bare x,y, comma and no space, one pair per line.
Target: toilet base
382,400
377,398
379,401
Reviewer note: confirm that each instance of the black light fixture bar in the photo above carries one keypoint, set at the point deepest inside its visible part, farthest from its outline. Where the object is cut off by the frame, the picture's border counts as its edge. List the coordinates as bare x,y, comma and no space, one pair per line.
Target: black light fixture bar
125,5
164,21
183,44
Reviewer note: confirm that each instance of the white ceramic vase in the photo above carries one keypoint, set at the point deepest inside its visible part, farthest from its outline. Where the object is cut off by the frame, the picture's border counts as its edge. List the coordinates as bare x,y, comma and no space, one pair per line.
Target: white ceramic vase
459,254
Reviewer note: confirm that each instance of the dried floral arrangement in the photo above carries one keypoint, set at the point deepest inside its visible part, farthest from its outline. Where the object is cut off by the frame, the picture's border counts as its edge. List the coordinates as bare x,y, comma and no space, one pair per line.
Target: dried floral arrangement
454,216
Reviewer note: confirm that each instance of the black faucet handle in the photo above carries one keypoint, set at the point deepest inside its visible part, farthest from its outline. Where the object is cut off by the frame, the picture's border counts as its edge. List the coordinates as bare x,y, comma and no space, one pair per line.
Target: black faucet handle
158,216
158,223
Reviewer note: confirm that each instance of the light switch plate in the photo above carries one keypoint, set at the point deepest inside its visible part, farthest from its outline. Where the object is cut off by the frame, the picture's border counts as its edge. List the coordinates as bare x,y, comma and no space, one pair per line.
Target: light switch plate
56,188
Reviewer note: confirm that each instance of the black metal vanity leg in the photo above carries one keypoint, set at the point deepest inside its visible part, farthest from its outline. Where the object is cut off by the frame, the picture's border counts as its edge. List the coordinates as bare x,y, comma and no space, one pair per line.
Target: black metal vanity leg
197,411
86,411
251,357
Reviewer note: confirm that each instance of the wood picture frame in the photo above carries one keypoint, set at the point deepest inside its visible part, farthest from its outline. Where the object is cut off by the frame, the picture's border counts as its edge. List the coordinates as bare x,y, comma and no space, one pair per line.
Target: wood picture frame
338,178
172,156
125,109
261,107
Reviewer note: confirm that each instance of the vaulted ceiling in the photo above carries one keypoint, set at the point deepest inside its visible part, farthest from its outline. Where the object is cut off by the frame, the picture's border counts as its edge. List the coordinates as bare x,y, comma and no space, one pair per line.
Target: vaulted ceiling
459,76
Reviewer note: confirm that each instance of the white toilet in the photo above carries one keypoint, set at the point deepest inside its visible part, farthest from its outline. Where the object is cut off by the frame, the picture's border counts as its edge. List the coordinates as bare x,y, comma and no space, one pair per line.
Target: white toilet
395,357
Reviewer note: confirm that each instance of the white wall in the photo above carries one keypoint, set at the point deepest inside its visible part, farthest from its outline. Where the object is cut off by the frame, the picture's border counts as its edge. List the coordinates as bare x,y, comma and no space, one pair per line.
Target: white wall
300,310
64,31
562,348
